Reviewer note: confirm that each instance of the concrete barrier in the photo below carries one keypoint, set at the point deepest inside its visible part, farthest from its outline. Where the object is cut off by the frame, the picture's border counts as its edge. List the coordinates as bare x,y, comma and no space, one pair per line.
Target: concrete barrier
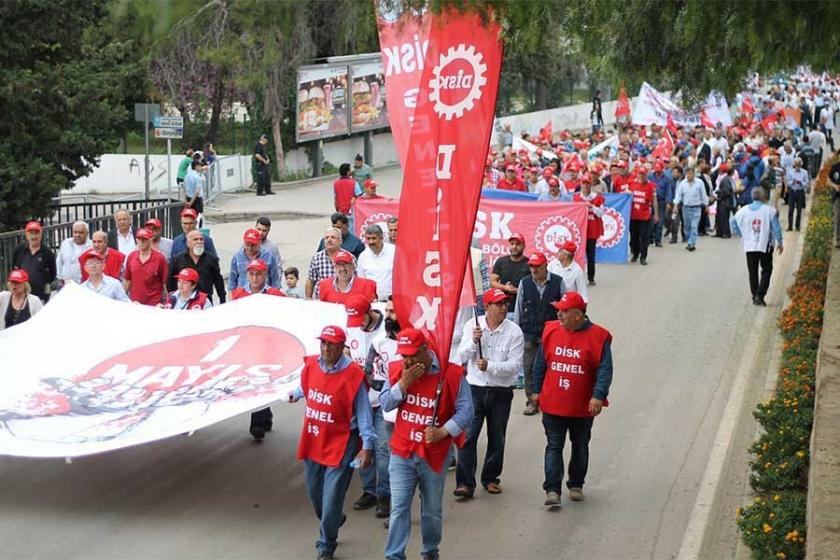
823,515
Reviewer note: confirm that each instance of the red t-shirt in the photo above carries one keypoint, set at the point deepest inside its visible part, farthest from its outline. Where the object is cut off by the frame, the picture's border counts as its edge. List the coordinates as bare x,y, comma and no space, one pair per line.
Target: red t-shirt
620,183
515,185
113,264
642,200
345,190
147,278
328,293
242,292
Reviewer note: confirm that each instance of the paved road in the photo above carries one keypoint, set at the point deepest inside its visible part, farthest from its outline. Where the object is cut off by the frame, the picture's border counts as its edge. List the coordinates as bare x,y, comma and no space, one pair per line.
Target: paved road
678,327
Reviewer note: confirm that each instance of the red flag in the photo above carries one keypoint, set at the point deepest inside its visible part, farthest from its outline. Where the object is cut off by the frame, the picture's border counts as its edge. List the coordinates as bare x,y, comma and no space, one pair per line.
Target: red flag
664,148
747,107
670,124
443,170
705,120
622,109
546,132
768,122
404,42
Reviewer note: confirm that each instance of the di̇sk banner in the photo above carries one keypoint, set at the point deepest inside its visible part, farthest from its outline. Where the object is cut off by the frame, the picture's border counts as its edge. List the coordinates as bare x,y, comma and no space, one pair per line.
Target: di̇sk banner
545,225
444,170
613,246
136,374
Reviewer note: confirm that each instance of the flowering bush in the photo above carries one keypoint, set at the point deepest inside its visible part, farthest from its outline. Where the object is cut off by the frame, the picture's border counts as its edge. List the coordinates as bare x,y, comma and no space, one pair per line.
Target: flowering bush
773,526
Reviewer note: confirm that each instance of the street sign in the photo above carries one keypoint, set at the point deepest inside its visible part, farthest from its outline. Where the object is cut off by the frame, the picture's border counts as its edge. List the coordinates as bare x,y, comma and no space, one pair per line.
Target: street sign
169,133
168,121
146,112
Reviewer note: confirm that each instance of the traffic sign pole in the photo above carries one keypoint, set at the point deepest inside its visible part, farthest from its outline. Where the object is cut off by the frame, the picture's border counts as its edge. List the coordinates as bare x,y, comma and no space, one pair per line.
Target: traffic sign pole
169,168
146,160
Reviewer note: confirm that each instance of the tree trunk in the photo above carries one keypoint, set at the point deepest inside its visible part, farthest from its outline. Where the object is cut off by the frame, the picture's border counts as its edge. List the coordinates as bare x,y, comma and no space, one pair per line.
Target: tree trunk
216,112
279,155
541,95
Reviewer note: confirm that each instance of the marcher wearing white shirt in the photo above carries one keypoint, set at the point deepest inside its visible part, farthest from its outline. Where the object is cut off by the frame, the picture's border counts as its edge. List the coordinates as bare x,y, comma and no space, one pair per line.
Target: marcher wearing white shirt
377,261
493,353
69,253
97,280
564,266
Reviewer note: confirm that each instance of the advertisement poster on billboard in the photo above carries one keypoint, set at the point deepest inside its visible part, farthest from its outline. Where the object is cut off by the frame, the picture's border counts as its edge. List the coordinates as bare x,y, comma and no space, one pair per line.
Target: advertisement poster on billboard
368,108
322,102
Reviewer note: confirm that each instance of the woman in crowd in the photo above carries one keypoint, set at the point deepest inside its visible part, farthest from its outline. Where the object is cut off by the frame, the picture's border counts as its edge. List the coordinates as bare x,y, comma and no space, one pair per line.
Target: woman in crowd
17,304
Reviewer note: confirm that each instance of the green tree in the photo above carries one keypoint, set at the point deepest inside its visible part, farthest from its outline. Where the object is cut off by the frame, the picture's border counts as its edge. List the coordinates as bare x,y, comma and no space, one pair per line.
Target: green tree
64,86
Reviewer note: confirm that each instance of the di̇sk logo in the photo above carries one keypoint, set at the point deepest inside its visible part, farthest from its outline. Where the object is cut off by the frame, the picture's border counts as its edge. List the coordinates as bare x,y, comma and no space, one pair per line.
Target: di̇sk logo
555,231
457,82
206,368
613,229
378,218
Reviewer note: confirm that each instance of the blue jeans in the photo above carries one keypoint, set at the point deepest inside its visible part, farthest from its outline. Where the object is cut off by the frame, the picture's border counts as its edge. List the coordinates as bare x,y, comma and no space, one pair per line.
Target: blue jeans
327,487
580,430
375,478
406,476
491,404
658,226
691,217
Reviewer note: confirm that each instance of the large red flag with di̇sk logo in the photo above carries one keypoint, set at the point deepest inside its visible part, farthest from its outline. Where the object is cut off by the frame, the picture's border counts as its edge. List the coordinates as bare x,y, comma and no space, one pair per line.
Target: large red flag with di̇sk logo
545,225
147,373
443,171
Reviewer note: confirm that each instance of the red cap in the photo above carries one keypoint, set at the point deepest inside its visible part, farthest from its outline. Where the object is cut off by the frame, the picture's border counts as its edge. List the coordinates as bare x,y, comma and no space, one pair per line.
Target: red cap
252,236
153,222
34,226
188,275
356,307
570,300
343,257
569,246
518,237
621,164
553,182
510,168
537,259
724,167
90,254
19,275
333,334
370,183
658,166
189,213
586,178
535,169
258,265
143,233
409,341
493,295
547,172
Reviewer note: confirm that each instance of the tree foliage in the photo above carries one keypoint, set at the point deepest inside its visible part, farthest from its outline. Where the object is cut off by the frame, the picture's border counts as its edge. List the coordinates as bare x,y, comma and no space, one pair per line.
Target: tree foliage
64,86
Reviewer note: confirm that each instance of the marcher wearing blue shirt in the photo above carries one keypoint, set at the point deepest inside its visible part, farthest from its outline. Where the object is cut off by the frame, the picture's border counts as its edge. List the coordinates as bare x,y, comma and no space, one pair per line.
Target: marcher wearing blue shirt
664,195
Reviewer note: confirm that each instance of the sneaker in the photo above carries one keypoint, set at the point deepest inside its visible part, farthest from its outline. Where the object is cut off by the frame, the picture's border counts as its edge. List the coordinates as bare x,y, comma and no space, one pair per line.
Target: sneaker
643,261
463,492
530,409
634,258
576,494
257,432
592,282
552,500
365,501
325,555
383,508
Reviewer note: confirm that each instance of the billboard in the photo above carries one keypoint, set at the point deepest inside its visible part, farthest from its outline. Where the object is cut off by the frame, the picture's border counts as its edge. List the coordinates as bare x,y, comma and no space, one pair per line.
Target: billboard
322,102
368,109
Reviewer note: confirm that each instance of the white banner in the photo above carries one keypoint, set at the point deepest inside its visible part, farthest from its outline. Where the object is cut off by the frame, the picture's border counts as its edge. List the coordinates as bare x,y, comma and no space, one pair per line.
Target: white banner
653,107
89,374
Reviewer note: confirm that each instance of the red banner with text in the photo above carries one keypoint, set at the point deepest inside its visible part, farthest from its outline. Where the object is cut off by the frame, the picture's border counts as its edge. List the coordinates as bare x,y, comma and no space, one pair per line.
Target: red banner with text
545,225
443,170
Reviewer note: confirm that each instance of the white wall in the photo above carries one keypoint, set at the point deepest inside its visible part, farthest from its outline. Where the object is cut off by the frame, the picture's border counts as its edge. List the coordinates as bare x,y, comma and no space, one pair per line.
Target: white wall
121,173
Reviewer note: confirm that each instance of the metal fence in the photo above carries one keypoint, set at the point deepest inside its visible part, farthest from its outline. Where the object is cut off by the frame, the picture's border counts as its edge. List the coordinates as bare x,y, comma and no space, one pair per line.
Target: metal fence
98,216
226,174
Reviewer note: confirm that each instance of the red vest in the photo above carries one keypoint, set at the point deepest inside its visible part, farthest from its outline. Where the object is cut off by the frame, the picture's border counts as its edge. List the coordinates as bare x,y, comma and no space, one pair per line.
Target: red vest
415,414
197,302
594,225
642,200
364,286
572,359
329,409
242,292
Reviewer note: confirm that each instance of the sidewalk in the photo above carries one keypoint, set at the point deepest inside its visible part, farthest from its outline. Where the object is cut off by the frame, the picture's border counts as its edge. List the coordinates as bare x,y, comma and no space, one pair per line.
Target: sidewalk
299,214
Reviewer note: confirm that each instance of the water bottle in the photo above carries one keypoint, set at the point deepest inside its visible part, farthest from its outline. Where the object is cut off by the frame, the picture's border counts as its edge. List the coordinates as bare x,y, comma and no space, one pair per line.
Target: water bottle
356,463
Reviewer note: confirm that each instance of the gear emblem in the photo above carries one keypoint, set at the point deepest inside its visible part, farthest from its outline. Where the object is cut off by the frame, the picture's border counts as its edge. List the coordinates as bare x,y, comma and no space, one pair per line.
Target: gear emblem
613,229
553,232
462,80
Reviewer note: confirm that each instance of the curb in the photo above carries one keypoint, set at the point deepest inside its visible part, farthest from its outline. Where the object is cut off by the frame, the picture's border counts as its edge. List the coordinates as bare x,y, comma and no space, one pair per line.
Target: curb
227,217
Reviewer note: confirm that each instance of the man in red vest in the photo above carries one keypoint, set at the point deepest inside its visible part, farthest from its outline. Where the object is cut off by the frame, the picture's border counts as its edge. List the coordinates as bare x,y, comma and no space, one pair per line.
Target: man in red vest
262,421
337,416
434,407
345,283
572,376
594,225
644,204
